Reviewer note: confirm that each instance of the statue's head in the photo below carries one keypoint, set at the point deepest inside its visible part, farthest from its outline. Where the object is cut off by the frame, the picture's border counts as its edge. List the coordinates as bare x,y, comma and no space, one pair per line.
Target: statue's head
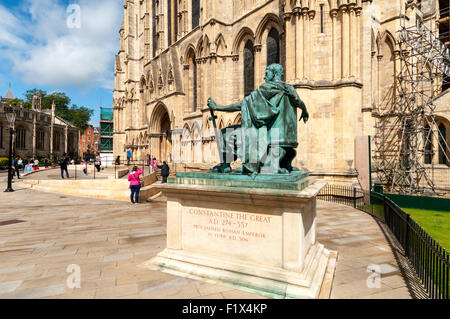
274,72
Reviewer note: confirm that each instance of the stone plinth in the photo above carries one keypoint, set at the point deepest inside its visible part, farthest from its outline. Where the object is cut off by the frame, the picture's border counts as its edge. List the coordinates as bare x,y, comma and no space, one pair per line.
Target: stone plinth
262,240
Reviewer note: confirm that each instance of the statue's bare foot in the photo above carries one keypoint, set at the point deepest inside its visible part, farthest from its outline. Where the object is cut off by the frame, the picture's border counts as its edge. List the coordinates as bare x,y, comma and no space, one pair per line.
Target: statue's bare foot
283,171
295,169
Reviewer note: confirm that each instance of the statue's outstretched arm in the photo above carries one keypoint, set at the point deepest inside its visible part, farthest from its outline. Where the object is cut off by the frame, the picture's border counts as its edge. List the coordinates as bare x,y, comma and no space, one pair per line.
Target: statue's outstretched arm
228,108
297,102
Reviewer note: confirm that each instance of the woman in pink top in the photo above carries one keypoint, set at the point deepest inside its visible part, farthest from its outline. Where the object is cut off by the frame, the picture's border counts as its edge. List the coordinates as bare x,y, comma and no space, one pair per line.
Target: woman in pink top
154,164
135,184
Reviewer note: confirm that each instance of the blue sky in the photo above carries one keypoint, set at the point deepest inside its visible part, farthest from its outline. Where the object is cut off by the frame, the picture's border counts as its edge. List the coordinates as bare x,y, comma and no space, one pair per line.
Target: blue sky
60,45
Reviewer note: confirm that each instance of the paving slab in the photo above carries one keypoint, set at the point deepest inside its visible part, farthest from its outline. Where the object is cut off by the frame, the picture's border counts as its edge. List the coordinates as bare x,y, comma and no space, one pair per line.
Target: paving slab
110,244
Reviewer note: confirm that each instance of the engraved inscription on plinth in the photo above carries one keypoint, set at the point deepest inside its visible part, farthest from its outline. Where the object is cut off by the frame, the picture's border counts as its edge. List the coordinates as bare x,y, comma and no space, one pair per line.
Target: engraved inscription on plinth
247,236
257,239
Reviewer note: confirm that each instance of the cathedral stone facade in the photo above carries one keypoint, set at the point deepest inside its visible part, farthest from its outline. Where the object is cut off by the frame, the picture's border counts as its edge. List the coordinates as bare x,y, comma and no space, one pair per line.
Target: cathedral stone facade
340,55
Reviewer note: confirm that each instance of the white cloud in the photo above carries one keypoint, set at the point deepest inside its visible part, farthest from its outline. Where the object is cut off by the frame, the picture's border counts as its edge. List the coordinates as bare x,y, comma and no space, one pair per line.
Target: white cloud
50,53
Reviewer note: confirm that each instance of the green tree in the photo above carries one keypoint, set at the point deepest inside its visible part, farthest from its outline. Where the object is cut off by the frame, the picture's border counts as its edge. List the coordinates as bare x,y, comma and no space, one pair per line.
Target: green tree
29,94
77,115
18,102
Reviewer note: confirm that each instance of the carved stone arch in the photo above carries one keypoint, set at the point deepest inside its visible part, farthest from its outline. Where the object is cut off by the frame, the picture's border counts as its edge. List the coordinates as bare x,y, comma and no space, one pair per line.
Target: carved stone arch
199,49
244,34
237,119
390,40
186,134
208,127
196,129
378,40
190,51
269,21
221,45
159,112
220,124
206,46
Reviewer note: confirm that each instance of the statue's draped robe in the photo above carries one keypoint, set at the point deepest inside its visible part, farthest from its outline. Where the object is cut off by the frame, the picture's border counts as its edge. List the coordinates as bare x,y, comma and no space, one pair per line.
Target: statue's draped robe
269,116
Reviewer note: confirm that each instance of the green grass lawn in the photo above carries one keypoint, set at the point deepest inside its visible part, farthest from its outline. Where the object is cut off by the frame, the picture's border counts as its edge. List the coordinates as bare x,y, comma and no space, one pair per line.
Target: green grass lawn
435,223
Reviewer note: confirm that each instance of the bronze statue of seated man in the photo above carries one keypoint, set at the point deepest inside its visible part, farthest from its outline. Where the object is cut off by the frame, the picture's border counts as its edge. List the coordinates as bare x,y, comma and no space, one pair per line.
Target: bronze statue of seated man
267,138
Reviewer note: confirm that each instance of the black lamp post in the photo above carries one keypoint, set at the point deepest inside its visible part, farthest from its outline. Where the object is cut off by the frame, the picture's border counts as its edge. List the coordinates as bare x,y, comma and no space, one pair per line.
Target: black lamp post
11,118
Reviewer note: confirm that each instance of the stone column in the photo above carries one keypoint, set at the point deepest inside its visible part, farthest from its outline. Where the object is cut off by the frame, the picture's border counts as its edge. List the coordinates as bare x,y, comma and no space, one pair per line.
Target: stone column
305,52
358,43
258,65
298,46
66,137
379,57
309,37
352,40
373,75
213,77
34,133
345,43
186,86
290,54
52,124
333,14
396,71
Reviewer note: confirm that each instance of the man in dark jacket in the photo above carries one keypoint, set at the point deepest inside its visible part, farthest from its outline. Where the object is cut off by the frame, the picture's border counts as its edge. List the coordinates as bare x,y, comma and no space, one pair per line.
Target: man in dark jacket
63,162
164,171
15,165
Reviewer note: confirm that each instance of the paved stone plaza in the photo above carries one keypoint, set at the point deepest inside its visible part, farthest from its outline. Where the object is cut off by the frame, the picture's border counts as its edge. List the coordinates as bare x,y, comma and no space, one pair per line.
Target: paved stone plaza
41,234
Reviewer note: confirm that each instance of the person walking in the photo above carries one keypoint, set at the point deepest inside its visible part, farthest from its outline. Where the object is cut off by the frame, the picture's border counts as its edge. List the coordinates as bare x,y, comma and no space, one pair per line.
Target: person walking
84,166
46,163
20,162
154,164
164,171
63,162
128,157
118,160
135,184
98,162
15,166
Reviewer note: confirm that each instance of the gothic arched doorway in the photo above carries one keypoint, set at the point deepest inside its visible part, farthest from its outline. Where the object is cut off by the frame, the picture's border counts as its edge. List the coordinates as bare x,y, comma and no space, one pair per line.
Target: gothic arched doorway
161,134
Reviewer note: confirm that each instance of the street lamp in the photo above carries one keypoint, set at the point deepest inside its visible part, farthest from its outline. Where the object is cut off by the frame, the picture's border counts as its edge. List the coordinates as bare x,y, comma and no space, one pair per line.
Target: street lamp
11,118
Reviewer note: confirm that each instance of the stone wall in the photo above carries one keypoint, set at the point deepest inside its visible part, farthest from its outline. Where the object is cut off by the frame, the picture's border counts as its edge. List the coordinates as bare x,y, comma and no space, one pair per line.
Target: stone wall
341,58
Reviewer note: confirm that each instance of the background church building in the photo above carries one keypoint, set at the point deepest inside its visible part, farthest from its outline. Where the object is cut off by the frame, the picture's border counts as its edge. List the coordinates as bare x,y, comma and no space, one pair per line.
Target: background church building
38,133
341,57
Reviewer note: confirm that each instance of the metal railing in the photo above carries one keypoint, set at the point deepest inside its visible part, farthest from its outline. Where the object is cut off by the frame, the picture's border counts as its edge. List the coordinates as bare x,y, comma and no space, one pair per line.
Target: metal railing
429,259
346,195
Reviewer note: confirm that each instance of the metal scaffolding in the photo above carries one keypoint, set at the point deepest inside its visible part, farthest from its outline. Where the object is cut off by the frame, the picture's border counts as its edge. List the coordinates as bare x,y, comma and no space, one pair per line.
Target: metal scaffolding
406,131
